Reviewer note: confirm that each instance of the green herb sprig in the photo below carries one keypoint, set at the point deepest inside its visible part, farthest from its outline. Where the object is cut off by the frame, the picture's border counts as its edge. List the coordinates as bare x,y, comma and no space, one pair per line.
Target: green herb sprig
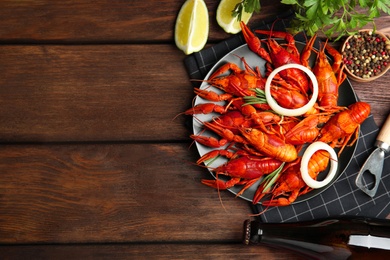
259,98
335,18
248,6
271,178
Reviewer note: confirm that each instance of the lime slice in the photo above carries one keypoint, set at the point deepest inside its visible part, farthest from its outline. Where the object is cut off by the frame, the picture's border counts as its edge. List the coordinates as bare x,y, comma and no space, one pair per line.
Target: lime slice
192,26
225,18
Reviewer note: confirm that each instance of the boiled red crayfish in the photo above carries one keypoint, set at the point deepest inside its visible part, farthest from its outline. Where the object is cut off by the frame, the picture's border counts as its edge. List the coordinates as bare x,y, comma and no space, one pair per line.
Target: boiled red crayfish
226,126
307,130
242,170
242,83
259,141
329,77
239,83
278,56
234,127
345,124
290,183
269,144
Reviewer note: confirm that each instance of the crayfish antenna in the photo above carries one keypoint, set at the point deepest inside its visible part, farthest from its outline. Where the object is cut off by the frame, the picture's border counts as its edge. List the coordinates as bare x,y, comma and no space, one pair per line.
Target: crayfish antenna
183,113
247,185
260,213
198,80
219,195
193,141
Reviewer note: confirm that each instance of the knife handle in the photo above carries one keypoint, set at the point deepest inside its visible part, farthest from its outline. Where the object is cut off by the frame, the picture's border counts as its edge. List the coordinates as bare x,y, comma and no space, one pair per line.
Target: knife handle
384,134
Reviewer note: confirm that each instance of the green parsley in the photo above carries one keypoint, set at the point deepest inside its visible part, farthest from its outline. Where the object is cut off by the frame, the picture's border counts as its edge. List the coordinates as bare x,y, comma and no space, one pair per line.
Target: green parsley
248,6
335,17
332,17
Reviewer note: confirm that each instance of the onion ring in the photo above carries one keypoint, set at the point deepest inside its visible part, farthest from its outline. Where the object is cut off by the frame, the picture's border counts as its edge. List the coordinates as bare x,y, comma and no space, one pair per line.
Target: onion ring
291,112
311,149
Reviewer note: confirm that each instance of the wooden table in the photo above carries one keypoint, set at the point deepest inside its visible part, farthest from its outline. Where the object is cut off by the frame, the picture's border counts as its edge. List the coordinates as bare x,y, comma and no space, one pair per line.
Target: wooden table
92,163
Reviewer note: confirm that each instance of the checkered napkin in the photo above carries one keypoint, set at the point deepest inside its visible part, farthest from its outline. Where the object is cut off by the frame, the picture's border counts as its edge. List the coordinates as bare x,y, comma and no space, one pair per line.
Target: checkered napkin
342,198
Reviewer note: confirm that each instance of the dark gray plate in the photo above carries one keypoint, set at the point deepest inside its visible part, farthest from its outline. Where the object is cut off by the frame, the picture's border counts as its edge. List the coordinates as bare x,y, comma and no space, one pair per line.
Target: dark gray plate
347,96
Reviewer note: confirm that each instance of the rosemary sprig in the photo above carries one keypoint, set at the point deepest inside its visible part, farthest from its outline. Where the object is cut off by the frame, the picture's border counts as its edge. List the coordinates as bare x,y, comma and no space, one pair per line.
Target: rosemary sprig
258,99
271,178
208,162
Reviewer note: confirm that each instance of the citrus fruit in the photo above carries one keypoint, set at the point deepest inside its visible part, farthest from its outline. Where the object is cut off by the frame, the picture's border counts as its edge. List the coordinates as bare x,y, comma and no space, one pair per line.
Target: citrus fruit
192,26
225,18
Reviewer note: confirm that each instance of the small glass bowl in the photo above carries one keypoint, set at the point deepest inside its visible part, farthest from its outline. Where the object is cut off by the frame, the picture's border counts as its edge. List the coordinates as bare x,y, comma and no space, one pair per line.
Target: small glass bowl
345,59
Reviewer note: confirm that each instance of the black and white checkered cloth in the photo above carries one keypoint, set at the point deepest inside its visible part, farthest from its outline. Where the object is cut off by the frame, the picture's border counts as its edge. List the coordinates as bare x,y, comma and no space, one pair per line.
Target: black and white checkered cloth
342,198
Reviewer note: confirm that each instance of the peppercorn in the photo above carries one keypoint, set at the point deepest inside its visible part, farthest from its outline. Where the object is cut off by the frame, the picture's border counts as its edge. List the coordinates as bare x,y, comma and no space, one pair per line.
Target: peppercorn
369,50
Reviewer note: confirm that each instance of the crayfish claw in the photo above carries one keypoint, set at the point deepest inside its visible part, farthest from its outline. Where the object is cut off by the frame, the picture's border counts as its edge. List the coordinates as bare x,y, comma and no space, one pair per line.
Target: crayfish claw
276,202
221,185
254,42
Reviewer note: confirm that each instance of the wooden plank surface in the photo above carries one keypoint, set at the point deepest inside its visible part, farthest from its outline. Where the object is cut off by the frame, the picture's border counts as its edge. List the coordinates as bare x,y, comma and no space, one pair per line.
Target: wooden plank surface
105,193
57,93
148,251
91,163
92,93
103,21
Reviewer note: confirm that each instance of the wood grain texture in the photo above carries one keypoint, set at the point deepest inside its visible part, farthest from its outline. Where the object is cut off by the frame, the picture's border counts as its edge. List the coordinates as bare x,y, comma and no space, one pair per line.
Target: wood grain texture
111,193
92,93
148,251
92,164
56,93
103,21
